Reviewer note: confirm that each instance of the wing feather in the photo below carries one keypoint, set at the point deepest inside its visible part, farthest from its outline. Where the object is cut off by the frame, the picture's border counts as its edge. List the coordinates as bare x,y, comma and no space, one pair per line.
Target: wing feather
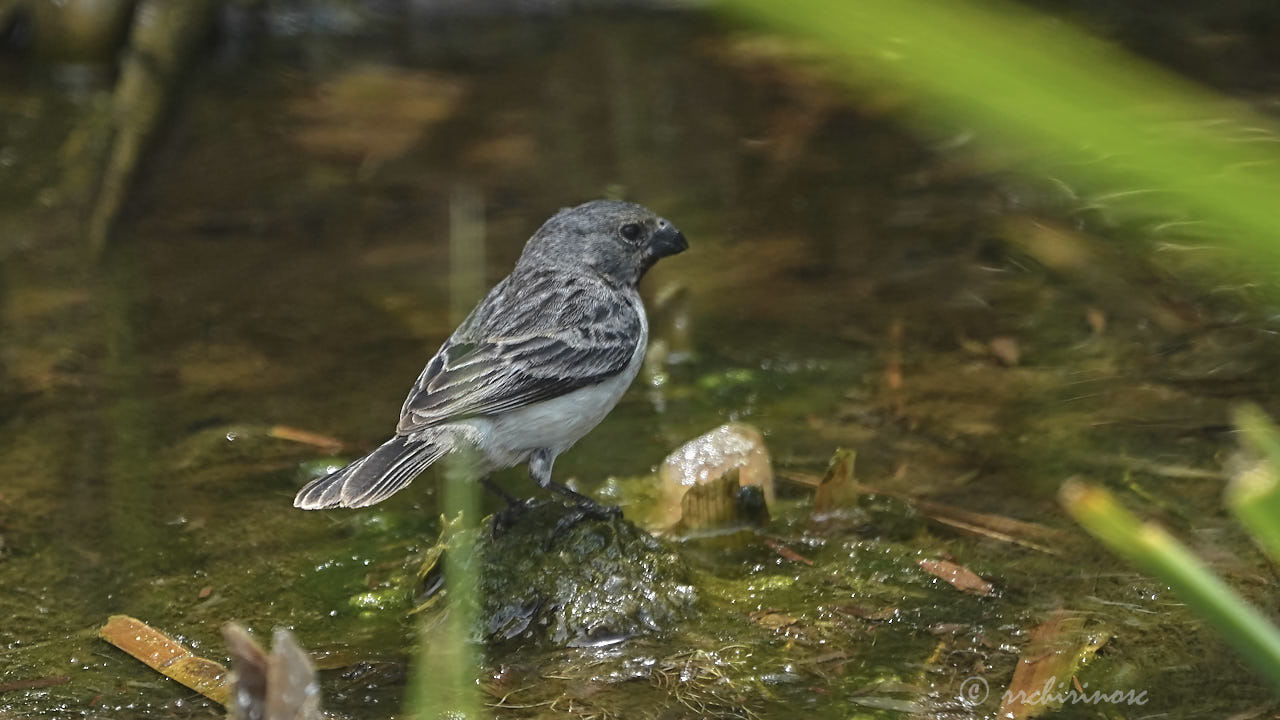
537,335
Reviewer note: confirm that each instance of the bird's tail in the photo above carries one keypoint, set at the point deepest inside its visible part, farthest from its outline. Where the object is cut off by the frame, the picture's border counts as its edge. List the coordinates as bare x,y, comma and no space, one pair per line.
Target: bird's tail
374,477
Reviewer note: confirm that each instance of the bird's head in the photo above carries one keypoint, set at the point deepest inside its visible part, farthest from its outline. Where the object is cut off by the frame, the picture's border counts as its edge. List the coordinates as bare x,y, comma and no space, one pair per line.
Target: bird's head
618,239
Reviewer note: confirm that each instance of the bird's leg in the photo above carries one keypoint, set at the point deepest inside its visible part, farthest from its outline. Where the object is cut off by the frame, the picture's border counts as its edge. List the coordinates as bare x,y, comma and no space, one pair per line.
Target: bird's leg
507,516
498,490
540,463
577,497
583,508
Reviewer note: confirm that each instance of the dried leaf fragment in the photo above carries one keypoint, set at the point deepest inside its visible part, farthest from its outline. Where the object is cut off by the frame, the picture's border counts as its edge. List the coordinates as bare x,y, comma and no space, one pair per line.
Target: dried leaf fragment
959,576
1056,649
167,656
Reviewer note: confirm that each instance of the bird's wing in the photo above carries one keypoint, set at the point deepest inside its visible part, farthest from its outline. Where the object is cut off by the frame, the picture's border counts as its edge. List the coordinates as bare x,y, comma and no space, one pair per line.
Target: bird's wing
536,336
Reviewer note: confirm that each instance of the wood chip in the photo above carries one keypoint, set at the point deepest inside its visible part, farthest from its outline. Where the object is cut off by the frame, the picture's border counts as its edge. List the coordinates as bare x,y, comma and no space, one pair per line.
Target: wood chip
167,656
837,488
961,577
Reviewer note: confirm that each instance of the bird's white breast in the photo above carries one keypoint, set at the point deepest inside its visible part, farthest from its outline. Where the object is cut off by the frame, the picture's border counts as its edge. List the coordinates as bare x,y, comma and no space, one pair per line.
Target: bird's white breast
558,423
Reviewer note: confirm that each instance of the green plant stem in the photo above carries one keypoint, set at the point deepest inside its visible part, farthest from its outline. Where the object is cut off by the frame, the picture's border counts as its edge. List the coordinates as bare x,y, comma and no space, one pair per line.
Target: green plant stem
1254,495
448,661
1155,551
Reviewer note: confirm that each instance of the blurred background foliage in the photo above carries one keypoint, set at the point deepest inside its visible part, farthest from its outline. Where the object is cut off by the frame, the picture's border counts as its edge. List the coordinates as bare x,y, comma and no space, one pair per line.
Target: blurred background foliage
1122,136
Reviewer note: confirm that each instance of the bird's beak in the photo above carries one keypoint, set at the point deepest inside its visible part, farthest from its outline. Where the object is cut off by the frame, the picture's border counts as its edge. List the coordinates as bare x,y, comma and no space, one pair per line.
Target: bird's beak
666,240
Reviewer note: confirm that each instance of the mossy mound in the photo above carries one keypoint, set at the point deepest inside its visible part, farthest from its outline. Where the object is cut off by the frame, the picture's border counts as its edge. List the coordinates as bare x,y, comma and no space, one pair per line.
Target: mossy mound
595,582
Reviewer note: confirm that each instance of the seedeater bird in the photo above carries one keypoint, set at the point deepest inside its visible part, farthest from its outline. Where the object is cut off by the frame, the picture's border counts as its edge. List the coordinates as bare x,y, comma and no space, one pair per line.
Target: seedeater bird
536,365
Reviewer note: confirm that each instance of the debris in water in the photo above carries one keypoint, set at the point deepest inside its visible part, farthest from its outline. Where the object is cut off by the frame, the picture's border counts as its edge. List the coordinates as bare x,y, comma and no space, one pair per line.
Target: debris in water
1054,652
837,488
281,685
786,552
772,619
306,437
708,458
997,527
167,656
961,577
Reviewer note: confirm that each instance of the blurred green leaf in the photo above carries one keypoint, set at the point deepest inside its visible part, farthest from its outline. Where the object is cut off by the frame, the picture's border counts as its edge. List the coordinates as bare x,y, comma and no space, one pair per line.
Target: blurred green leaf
1155,551
1254,495
1055,101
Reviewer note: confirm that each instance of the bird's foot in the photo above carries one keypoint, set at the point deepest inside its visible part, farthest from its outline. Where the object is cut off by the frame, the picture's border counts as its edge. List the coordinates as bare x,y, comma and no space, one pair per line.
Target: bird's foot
510,515
589,510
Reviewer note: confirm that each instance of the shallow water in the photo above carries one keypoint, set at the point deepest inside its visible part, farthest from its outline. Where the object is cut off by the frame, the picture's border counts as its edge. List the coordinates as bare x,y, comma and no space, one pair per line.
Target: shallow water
286,261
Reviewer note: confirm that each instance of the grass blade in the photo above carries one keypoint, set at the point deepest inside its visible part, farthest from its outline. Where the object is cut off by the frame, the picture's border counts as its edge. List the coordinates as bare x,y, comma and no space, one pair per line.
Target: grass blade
1254,495
1153,550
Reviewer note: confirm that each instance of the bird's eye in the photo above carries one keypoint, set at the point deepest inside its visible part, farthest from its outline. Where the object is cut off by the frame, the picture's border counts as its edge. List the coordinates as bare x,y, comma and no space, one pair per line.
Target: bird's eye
630,231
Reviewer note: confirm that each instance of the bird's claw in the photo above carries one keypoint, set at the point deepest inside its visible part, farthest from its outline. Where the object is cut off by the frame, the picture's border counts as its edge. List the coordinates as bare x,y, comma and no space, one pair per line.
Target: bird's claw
510,515
579,512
